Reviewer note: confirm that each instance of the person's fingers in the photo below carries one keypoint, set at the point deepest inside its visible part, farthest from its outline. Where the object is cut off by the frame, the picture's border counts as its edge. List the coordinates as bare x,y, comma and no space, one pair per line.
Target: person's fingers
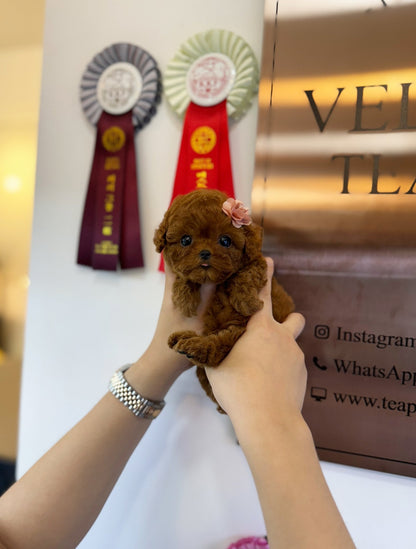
265,293
270,271
295,322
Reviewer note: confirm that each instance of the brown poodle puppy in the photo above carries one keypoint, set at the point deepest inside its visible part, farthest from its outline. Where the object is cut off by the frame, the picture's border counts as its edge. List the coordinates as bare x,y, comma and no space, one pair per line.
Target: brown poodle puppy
206,237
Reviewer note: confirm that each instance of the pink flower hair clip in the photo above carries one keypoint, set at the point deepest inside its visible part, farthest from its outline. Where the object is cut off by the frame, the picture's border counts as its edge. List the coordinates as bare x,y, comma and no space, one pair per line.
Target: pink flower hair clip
238,213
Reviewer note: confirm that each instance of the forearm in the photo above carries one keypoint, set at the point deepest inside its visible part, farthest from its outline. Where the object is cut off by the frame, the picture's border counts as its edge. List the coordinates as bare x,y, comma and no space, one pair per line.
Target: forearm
59,498
298,508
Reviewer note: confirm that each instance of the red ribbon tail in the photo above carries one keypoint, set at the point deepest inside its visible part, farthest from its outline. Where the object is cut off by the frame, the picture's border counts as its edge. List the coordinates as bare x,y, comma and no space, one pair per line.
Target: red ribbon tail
204,160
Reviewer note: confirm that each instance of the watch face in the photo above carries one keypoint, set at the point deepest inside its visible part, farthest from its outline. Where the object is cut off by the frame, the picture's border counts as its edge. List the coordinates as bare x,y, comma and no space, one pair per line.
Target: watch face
210,79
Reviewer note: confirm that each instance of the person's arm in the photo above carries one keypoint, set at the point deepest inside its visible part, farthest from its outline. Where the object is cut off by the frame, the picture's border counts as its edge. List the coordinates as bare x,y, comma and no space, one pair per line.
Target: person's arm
56,502
261,385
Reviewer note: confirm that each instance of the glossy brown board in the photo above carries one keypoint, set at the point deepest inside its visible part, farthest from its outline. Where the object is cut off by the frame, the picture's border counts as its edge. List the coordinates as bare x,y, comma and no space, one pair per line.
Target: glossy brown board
335,190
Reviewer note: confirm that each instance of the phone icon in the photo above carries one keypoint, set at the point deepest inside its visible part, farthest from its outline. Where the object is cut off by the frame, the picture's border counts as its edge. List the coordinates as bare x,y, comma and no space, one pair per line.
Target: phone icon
315,360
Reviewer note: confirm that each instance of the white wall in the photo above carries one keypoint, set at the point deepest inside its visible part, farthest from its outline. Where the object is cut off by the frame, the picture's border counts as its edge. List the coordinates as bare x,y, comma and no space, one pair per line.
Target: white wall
187,486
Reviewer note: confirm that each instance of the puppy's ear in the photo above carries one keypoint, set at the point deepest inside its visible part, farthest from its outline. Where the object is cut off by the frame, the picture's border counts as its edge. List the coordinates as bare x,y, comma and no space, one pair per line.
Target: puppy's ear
254,239
159,238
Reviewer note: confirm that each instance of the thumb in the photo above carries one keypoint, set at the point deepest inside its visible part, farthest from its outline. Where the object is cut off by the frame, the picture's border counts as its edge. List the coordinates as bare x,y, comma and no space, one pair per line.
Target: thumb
265,293
295,323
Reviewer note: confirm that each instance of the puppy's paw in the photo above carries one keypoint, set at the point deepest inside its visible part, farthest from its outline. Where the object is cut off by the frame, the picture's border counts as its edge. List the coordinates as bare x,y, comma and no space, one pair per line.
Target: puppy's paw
176,337
196,348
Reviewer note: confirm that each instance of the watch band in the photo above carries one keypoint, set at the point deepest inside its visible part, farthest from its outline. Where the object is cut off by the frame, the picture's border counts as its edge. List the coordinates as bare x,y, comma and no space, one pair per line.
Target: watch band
124,392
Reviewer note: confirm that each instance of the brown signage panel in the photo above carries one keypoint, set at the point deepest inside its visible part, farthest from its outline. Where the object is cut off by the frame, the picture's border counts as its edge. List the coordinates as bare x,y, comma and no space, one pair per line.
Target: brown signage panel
360,348
335,190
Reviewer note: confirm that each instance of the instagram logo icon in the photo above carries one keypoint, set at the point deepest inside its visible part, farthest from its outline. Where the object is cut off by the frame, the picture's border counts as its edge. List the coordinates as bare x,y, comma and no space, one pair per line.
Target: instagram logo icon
322,331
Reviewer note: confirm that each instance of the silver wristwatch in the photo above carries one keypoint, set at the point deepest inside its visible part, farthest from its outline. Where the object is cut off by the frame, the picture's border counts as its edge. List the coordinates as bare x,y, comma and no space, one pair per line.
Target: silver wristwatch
124,392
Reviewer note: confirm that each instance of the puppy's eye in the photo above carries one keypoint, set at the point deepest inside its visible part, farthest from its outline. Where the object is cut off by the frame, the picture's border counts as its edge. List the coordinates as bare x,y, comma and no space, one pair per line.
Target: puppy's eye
186,240
225,241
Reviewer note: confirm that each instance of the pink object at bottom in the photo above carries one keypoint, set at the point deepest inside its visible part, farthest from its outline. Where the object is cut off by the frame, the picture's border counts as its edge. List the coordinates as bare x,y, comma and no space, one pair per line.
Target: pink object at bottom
250,543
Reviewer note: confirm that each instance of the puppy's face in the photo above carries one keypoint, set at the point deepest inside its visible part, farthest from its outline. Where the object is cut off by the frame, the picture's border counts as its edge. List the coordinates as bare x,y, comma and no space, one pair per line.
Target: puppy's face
198,240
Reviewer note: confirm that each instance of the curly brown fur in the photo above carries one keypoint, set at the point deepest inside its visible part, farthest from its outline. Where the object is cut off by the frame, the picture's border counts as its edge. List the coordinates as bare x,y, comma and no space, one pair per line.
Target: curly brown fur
201,245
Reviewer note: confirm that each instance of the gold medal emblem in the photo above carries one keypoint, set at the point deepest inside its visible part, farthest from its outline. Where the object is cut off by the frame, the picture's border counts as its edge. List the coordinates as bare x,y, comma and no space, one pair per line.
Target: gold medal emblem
203,140
113,139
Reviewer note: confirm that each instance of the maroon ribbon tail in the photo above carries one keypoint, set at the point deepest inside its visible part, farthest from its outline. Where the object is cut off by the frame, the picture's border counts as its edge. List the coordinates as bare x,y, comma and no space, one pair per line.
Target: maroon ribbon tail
110,229
131,253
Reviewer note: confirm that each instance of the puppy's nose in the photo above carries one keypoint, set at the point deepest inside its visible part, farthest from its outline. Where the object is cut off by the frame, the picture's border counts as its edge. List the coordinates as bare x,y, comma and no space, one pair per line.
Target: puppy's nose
205,254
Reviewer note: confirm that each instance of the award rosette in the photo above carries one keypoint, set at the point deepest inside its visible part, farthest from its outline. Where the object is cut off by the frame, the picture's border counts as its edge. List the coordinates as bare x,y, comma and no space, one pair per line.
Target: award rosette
213,77
120,89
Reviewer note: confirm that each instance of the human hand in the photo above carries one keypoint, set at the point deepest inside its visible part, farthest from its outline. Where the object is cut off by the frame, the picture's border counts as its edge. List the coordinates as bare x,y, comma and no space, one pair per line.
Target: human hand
159,361
265,371
261,385
171,319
